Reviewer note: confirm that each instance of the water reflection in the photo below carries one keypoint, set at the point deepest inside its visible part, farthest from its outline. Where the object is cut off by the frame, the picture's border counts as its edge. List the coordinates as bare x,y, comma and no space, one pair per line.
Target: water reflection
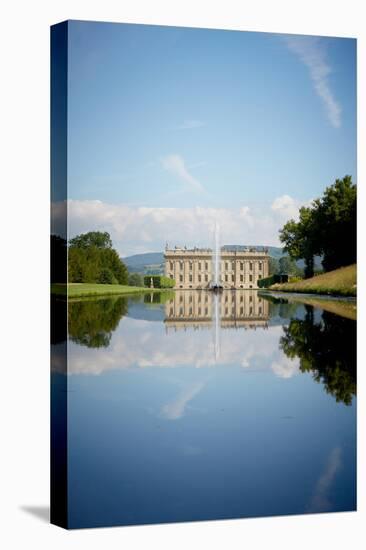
92,322
327,349
200,309
299,338
190,406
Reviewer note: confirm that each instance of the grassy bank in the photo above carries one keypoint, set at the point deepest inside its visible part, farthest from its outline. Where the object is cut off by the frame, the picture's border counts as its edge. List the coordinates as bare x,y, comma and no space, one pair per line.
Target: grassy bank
79,290
342,307
340,282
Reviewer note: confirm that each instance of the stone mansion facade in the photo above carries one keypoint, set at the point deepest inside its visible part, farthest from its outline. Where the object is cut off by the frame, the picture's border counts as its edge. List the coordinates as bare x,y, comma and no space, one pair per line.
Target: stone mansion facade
194,269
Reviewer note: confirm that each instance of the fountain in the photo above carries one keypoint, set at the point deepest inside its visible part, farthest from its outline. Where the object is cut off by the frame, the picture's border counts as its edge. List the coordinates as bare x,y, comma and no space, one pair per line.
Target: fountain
216,283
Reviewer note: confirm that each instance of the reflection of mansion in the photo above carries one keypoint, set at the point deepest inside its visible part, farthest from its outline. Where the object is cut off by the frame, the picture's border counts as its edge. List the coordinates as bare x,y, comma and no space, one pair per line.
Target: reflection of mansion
194,309
195,268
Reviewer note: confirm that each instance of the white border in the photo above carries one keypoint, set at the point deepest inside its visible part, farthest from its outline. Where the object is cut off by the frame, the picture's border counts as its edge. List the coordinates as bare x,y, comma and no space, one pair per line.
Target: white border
24,272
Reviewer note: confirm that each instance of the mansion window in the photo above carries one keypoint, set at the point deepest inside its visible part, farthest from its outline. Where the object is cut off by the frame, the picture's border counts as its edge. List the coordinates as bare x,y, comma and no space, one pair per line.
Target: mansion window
226,278
199,266
251,266
241,278
250,278
233,277
171,266
190,266
241,266
190,278
260,266
226,266
181,278
206,278
199,278
206,266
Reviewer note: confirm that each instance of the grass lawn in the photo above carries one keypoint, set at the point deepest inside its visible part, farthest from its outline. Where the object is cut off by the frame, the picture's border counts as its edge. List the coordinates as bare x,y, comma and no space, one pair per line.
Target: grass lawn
340,282
78,290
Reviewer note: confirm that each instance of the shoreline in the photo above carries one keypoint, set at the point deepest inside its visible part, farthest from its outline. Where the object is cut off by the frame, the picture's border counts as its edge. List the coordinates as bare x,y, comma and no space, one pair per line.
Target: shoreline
345,306
90,290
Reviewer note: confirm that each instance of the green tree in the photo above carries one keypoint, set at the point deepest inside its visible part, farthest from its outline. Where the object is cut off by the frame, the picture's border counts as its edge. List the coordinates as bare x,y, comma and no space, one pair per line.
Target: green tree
326,228
337,215
273,266
300,238
91,257
288,265
83,265
106,276
98,239
109,258
135,279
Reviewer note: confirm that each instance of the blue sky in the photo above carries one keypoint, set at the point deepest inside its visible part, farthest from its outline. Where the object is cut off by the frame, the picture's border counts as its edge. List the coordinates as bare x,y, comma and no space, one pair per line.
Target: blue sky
175,127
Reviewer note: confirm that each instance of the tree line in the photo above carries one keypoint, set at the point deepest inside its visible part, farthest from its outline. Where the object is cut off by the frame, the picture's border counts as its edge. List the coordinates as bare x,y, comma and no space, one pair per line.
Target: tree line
92,259
326,228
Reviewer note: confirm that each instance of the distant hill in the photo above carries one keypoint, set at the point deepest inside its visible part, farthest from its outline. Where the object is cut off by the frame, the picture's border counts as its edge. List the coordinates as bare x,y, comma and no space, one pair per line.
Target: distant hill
149,263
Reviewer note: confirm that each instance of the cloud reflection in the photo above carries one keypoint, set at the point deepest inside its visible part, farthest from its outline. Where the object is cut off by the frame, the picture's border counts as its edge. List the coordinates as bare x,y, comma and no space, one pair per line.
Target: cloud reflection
176,409
156,348
320,501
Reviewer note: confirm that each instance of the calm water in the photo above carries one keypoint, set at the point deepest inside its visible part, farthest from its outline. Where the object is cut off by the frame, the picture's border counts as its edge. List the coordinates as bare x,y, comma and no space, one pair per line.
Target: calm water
201,407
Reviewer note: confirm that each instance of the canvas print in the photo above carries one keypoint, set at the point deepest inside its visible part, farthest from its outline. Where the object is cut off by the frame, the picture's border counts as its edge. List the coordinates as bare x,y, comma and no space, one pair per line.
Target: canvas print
203,274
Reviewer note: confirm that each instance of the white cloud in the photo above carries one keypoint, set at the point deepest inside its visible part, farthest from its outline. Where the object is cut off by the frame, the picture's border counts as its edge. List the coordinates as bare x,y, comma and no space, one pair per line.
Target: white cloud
176,165
146,229
190,124
286,207
310,50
